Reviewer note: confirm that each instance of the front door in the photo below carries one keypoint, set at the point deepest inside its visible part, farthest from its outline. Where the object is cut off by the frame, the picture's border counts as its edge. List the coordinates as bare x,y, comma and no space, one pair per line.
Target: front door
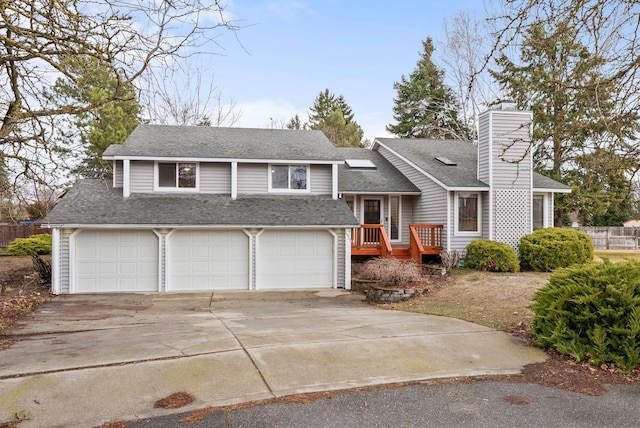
372,214
371,211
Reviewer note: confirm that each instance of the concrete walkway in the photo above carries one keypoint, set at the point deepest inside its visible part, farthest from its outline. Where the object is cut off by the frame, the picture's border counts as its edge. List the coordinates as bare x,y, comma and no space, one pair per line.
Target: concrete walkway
84,360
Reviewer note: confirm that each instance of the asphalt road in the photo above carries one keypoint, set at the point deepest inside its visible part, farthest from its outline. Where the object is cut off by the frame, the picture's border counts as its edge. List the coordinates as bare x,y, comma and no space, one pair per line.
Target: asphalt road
458,404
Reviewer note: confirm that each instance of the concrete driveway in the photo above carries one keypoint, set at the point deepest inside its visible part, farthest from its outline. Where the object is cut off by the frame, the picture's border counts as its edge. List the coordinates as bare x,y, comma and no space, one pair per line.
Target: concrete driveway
84,360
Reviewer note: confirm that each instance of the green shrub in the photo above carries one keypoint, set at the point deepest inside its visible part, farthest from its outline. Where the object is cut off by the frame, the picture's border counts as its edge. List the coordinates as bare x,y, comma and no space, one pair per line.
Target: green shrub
491,256
548,249
592,312
36,244
390,270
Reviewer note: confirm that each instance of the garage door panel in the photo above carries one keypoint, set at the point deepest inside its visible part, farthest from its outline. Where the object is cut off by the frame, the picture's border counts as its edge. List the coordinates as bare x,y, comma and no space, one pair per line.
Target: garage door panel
295,259
118,261
209,260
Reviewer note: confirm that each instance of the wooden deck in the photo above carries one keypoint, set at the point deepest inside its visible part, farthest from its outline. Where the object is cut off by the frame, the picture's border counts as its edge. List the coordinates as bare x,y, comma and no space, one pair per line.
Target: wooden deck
373,240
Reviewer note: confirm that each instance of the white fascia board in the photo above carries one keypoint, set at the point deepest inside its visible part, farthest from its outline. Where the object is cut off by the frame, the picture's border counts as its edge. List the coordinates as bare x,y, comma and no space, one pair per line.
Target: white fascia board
545,190
413,165
469,189
203,226
349,192
225,160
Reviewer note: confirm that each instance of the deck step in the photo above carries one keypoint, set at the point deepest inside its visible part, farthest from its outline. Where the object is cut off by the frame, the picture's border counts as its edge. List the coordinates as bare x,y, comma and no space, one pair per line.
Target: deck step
398,252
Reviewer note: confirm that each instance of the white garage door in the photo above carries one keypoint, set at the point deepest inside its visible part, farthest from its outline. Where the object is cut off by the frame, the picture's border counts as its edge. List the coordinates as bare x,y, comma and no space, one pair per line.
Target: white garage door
121,261
208,260
295,259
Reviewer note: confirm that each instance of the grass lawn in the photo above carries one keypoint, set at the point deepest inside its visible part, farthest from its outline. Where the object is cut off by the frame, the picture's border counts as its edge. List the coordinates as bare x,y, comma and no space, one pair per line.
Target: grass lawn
615,256
496,300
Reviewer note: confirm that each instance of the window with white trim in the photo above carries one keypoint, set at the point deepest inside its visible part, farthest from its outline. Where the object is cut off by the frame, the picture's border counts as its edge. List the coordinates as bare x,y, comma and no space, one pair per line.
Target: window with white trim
468,213
177,175
289,178
538,212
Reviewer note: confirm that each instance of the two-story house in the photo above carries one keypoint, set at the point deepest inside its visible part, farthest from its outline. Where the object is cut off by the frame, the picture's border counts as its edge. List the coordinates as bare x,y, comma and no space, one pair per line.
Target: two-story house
205,209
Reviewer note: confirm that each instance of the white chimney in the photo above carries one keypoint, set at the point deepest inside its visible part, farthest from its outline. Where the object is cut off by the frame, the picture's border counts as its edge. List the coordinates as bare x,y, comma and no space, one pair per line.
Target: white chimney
505,164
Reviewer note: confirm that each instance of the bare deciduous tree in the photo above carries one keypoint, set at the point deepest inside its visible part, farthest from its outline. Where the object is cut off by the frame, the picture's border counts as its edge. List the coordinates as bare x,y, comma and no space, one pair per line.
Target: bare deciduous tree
182,96
463,55
128,36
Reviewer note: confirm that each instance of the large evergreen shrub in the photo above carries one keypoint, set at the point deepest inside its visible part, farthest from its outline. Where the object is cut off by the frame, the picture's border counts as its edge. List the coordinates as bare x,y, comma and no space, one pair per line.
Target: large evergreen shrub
548,249
491,256
592,312
36,244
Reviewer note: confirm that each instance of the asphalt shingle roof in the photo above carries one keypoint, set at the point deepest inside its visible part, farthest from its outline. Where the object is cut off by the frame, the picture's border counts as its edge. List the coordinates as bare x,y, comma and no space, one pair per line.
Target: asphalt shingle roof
95,202
384,179
228,143
542,182
422,152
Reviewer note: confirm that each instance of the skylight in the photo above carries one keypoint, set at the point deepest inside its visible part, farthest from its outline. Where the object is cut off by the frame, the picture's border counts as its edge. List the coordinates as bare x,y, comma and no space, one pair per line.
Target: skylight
445,161
360,164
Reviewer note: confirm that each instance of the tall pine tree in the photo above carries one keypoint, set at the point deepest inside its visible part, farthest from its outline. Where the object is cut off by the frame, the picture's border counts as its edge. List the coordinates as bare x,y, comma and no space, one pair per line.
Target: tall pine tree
425,107
333,116
562,83
104,125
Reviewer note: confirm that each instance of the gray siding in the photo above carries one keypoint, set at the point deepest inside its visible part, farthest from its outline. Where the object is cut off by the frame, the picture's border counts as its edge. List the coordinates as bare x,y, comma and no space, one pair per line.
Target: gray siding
510,135
321,179
141,176
341,254
356,206
215,178
430,206
486,203
484,164
407,218
65,261
252,178
118,174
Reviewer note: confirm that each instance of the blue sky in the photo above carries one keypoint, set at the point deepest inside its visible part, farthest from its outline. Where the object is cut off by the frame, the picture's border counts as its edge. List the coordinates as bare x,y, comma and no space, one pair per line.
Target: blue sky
293,49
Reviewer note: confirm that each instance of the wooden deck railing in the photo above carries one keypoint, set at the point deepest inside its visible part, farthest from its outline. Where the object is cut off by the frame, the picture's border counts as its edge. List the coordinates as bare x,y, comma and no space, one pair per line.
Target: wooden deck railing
425,239
370,239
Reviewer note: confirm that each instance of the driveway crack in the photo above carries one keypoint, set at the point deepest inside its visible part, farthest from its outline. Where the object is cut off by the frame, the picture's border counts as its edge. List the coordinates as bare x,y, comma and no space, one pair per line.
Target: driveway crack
255,365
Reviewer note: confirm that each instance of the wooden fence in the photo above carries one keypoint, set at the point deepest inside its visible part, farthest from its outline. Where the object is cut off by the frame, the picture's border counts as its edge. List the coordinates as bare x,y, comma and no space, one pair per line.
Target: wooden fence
9,232
613,238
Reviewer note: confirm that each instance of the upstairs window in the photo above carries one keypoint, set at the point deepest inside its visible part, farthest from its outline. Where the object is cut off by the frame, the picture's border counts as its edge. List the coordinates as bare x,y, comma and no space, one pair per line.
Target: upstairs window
289,177
177,175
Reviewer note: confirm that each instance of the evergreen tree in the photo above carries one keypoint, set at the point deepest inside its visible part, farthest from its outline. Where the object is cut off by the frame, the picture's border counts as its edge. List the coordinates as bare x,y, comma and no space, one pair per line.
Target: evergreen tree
296,123
333,116
341,132
602,193
425,107
325,103
562,83
104,125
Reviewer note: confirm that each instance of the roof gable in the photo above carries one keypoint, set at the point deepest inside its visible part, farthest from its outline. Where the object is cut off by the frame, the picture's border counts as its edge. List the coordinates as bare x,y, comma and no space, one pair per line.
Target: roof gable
461,170
423,153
